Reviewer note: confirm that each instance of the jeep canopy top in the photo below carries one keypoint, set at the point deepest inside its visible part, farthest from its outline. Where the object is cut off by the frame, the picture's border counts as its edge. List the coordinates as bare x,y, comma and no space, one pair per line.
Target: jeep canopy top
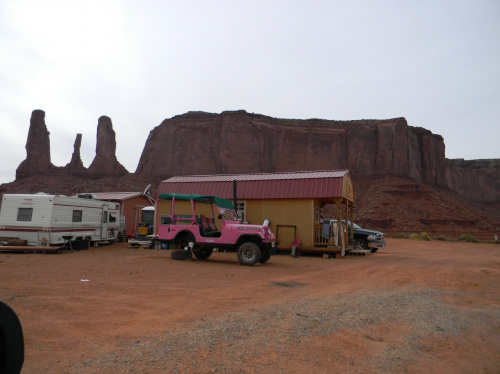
220,202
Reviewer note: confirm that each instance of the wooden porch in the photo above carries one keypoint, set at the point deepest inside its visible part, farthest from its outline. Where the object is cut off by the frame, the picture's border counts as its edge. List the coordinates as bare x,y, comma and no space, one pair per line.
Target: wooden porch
333,237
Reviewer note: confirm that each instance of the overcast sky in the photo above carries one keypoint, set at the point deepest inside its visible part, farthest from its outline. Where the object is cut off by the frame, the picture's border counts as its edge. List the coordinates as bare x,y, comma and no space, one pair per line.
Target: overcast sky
436,63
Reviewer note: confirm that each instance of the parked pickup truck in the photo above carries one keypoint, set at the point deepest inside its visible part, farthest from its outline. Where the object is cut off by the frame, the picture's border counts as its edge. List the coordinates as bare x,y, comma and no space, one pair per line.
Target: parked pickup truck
363,238
198,234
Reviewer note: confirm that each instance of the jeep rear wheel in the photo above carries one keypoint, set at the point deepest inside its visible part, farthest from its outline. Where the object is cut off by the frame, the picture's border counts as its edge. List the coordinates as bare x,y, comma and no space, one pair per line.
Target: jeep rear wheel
180,255
249,254
182,241
202,253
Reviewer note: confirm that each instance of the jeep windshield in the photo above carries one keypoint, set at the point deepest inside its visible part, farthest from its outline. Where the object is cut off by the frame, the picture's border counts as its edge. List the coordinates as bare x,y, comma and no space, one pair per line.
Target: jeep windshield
220,202
224,206
228,215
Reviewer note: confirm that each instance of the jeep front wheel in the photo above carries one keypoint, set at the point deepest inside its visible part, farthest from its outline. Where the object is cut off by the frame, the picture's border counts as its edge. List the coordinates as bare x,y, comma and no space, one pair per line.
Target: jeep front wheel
248,254
265,255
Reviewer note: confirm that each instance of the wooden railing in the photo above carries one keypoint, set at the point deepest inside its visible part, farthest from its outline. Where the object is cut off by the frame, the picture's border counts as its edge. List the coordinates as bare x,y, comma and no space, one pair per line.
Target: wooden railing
329,242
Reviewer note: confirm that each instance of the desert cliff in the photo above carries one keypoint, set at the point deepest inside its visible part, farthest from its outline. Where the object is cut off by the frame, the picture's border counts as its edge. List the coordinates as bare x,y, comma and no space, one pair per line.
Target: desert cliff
403,182
240,142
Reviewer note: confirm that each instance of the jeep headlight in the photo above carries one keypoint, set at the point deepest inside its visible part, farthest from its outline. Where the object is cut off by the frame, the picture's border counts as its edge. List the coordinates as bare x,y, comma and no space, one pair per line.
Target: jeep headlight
371,237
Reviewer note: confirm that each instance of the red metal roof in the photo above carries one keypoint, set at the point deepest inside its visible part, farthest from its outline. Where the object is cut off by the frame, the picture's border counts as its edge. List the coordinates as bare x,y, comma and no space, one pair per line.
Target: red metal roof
286,185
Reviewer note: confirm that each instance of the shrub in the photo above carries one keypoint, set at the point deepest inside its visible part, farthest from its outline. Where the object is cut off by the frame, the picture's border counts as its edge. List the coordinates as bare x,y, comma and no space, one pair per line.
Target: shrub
414,236
468,238
443,238
401,235
425,236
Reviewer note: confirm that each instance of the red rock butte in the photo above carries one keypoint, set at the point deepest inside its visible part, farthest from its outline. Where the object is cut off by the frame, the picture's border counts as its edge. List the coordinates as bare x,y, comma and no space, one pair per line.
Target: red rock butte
402,179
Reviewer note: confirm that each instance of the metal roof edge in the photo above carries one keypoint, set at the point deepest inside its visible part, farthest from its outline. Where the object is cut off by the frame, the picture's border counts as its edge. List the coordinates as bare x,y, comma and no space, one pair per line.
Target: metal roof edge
248,176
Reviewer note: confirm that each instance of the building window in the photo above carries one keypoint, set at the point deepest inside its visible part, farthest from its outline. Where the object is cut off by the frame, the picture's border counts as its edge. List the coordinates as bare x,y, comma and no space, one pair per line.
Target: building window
77,215
24,214
241,210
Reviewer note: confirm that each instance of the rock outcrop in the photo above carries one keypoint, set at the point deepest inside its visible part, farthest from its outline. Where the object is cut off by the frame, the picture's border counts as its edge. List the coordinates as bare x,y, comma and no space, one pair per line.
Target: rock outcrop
476,180
75,166
37,162
403,183
37,148
239,142
105,163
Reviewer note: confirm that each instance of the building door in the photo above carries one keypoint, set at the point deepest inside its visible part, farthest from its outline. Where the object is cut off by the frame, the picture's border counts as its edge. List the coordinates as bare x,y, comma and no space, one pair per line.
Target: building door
285,235
104,224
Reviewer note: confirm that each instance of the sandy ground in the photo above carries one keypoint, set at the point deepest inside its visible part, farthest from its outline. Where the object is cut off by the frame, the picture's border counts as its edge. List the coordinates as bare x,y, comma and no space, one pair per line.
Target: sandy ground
415,307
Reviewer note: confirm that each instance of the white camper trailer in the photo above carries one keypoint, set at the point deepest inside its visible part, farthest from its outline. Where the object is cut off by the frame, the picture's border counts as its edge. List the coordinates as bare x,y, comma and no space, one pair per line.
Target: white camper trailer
43,219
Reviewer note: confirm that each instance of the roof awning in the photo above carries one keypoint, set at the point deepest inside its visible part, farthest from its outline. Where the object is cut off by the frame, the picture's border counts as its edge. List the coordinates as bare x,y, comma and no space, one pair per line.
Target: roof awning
220,202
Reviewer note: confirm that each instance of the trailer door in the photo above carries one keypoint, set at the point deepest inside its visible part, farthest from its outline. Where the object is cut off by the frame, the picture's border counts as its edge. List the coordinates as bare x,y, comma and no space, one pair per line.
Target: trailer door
104,224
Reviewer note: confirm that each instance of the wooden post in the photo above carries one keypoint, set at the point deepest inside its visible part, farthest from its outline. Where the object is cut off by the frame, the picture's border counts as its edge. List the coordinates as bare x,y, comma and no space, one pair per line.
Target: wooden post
346,235
339,219
352,219
235,199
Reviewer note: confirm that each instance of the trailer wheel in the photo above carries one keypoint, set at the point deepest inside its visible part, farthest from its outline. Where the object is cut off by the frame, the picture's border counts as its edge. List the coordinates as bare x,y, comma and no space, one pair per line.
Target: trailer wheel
179,255
249,254
265,255
360,244
202,253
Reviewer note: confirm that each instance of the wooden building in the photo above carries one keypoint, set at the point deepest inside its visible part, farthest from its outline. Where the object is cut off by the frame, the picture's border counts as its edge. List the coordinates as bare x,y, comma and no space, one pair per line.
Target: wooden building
131,205
291,201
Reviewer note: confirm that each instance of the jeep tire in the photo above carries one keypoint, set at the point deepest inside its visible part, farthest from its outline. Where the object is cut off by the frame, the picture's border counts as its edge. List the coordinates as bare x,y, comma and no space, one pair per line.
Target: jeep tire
265,254
202,253
180,255
249,254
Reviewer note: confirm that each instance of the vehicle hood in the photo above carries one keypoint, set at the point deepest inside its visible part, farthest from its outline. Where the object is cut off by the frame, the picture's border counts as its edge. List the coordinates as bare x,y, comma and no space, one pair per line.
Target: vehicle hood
368,232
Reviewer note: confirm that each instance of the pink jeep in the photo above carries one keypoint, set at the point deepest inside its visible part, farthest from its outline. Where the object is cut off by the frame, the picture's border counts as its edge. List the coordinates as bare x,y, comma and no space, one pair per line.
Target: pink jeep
200,235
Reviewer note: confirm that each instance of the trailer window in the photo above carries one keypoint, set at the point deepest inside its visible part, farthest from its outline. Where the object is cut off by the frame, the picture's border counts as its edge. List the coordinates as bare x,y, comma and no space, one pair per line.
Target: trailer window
112,217
77,215
24,214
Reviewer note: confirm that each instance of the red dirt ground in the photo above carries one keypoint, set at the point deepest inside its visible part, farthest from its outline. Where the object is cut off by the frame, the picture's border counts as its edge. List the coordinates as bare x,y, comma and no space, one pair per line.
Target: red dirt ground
414,307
